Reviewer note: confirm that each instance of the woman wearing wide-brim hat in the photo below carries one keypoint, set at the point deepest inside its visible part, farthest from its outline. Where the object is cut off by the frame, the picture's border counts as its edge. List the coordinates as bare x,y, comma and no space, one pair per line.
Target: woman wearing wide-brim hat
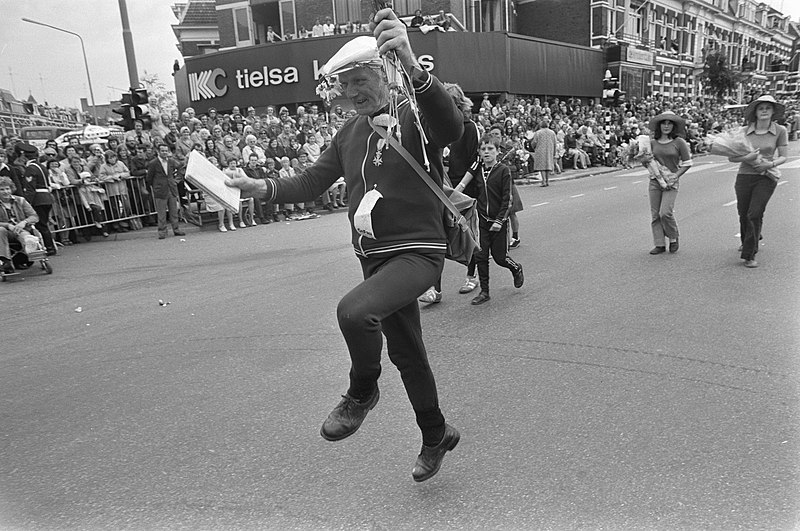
672,152
757,177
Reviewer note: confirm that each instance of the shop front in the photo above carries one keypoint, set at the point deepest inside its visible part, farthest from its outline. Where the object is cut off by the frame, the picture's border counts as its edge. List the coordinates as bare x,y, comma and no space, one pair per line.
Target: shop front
634,67
285,73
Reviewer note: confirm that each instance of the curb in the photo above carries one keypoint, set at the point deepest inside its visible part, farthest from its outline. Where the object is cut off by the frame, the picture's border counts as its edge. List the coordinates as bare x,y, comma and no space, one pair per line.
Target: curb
599,170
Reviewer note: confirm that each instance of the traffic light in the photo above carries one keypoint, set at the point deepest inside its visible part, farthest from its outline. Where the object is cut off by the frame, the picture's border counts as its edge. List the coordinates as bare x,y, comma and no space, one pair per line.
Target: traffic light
140,107
612,95
124,110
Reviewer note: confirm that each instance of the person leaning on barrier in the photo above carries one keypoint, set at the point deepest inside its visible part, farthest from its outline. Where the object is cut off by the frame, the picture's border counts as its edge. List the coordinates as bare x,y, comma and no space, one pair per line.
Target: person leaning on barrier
397,229
113,173
16,215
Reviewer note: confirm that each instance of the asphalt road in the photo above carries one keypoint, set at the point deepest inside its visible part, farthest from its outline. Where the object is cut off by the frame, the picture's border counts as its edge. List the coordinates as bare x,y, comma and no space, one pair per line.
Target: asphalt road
615,390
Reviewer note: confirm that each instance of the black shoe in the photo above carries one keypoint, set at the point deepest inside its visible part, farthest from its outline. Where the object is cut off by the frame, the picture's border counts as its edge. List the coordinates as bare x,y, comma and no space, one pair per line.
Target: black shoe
346,418
7,267
329,207
162,236
178,233
514,243
430,458
658,250
519,277
51,252
482,297
673,246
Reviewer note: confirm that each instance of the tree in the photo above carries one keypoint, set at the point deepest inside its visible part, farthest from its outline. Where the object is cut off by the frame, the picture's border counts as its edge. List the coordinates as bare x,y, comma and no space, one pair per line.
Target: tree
165,98
718,74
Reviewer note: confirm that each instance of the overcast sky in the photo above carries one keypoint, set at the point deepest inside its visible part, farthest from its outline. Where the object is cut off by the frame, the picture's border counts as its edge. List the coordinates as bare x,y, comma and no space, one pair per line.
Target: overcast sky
49,64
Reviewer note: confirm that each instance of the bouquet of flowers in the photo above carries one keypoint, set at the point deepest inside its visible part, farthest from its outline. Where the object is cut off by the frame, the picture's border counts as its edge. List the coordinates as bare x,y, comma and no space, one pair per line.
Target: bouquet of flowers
642,151
735,144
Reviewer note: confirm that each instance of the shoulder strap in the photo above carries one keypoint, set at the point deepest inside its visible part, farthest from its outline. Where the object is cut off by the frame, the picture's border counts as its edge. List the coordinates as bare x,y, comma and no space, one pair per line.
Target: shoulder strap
418,168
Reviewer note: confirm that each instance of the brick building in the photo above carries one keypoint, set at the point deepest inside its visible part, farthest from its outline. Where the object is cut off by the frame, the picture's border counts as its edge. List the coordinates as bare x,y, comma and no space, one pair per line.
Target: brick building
651,46
197,29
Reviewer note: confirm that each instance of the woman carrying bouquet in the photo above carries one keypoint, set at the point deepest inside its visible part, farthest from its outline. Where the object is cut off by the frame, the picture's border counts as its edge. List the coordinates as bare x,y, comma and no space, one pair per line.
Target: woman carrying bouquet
757,177
674,158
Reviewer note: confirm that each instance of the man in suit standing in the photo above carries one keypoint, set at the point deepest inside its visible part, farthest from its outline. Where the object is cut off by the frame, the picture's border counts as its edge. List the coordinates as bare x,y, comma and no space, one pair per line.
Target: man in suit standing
162,177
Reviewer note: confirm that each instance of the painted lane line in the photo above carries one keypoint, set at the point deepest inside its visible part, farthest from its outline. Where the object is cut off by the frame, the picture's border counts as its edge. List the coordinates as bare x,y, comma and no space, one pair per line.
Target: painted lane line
574,196
730,203
636,182
793,164
782,183
710,165
727,169
541,204
610,188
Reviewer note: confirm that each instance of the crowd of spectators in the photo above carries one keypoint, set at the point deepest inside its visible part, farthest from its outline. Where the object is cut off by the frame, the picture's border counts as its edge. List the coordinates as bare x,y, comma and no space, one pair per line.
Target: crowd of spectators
593,134
326,26
100,188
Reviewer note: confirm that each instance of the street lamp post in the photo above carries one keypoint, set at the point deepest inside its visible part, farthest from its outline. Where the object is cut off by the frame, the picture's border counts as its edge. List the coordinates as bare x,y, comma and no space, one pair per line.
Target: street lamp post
85,62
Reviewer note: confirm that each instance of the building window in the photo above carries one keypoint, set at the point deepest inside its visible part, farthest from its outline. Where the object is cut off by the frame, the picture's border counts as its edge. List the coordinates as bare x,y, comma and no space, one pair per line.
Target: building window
241,24
288,20
347,10
406,7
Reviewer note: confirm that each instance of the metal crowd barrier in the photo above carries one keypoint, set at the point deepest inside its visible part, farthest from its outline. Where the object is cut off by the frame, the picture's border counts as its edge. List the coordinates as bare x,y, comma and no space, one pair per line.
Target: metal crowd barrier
108,203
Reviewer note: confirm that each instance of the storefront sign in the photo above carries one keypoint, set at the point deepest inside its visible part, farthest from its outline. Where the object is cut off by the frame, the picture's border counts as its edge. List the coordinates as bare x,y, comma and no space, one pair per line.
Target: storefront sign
287,72
642,57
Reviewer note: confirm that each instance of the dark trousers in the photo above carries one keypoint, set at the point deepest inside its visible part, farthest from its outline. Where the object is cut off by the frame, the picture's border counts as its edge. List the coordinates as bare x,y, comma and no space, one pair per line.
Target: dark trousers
752,195
495,243
386,303
43,211
164,206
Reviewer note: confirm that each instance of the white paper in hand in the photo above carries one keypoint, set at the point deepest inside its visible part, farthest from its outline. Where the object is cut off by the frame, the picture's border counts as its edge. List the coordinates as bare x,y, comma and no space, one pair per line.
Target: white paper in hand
210,179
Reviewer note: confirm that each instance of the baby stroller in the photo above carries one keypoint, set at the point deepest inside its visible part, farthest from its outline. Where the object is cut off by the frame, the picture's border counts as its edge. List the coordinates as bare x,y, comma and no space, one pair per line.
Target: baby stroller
23,260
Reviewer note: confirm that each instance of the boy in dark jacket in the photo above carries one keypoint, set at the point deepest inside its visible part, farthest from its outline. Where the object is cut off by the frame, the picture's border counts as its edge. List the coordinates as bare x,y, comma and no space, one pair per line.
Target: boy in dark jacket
493,182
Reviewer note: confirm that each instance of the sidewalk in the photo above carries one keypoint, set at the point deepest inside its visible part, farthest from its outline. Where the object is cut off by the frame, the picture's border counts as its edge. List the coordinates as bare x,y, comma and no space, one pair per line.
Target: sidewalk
568,175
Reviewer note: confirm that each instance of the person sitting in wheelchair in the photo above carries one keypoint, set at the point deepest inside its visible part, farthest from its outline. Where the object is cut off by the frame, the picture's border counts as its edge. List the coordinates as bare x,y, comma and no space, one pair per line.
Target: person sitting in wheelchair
16,214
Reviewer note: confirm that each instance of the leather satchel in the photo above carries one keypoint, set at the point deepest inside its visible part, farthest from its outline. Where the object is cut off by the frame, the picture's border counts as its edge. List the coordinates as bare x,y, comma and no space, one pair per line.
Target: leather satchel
461,218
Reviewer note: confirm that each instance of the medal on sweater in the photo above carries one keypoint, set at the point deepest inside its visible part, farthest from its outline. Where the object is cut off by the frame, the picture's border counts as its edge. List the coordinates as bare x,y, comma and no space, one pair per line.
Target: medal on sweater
378,160
390,124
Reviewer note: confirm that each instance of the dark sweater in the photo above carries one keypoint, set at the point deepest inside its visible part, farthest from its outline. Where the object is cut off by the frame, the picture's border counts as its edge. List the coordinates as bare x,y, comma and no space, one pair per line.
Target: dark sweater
494,197
409,216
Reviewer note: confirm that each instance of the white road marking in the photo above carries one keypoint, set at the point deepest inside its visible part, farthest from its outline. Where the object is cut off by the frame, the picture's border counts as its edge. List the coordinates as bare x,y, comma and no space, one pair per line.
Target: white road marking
541,204
793,164
574,196
782,182
636,182
610,188
703,167
731,203
728,168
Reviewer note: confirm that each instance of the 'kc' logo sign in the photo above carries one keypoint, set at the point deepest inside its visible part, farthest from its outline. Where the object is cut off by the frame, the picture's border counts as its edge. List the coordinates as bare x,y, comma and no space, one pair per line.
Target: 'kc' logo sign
203,85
